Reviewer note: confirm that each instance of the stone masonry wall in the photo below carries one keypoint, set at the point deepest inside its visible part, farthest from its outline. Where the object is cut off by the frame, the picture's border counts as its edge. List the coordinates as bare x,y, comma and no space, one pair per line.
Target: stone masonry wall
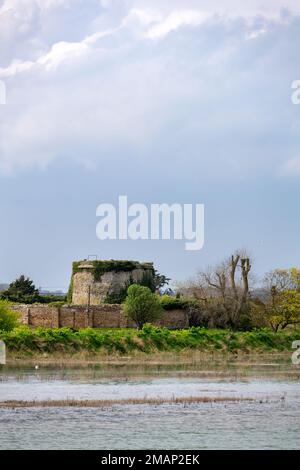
86,290
98,316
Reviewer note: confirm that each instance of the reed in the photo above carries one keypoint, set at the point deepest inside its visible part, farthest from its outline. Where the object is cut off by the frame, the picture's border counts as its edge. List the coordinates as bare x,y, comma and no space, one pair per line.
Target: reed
127,401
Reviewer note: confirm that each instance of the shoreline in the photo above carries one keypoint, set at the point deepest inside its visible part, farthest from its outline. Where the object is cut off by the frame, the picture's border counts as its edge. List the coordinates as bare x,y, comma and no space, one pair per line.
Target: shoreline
167,358
185,364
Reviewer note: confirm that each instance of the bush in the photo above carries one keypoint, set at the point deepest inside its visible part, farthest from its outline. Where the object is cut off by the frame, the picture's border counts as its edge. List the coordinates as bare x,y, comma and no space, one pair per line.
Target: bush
9,319
52,299
148,339
169,303
193,307
141,305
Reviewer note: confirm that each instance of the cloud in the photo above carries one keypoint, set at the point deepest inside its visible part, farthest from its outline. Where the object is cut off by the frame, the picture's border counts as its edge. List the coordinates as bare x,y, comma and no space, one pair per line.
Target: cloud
176,86
269,9
291,167
175,20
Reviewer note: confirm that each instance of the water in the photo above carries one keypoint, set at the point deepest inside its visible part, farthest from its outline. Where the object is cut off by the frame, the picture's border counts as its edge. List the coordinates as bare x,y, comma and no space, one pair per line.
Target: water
272,421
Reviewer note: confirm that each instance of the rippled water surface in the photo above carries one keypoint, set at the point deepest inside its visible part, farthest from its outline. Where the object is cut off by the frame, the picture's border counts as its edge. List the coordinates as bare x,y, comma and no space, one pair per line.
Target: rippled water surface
271,421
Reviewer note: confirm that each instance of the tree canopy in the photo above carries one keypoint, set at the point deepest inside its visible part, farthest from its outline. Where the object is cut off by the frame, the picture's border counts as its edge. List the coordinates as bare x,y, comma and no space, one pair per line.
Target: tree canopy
21,290
142,305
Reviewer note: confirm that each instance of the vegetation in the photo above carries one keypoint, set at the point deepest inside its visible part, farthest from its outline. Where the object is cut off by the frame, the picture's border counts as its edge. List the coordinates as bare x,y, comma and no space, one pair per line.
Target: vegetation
142,305
23,290
9,318
148,339
181,303
117,297
69,402
220,297
104,266
282,305
223,293
224,299
151,279
192,306
52,299
284,311
101,267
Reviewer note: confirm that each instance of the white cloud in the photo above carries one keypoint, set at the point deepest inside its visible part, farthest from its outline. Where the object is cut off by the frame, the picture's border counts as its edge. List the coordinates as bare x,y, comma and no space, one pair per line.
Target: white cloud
145,16
62,51
175,20
125,82
291,167
59,53
16,67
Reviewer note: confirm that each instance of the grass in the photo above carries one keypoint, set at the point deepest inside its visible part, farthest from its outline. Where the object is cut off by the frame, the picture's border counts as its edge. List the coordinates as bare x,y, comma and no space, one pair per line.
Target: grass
108,403
149,340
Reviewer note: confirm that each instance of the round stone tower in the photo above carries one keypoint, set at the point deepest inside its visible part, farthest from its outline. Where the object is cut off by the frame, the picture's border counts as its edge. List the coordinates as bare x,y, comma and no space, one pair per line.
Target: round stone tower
101,281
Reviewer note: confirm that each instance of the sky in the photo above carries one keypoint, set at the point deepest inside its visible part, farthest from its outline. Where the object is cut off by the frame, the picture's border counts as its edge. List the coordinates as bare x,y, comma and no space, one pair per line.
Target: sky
165,102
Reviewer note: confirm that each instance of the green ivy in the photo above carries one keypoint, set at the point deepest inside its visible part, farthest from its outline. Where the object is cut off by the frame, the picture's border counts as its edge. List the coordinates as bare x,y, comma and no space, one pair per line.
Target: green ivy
103,266
170,303
75,269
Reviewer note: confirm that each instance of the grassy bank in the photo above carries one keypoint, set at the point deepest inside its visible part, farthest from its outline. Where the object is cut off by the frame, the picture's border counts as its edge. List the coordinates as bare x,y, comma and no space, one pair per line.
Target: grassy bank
23,340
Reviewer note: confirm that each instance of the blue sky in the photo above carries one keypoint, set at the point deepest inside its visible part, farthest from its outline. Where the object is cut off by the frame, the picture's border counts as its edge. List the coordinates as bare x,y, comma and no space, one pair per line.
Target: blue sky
174,101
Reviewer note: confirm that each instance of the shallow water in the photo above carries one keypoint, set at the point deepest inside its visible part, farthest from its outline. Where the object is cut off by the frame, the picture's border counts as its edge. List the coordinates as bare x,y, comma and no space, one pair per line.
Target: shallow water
272,421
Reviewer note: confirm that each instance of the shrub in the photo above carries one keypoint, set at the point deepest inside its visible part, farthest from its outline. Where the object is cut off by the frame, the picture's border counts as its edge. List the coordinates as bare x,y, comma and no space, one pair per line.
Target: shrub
9,319
148,339
52,299
169,303
141,305
194,309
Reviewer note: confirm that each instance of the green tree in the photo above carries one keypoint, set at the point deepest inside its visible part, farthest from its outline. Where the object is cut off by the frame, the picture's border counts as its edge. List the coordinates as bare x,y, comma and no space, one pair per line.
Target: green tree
142,305
154,280
160,280
284,309
9,319
21,290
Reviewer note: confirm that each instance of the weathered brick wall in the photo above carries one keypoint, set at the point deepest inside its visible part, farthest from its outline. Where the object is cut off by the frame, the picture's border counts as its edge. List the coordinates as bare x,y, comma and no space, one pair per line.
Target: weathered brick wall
98,316
176,318
38,315
108,316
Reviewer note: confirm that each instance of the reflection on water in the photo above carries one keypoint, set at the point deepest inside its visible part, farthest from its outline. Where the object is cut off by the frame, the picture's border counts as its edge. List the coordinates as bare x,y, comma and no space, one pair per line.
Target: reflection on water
272,421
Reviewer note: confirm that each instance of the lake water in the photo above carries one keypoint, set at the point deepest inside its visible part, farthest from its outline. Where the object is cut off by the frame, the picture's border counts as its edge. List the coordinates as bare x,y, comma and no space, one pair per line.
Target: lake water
271,421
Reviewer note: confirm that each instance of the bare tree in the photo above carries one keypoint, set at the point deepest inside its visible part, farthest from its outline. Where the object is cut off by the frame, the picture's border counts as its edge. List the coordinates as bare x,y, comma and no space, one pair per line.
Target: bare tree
224,290
233,266
281,280
216,279
245,268
192,288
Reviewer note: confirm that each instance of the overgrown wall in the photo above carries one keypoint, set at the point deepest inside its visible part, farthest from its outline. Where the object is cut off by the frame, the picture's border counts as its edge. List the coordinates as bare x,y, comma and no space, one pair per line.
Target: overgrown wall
102,281
98,316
